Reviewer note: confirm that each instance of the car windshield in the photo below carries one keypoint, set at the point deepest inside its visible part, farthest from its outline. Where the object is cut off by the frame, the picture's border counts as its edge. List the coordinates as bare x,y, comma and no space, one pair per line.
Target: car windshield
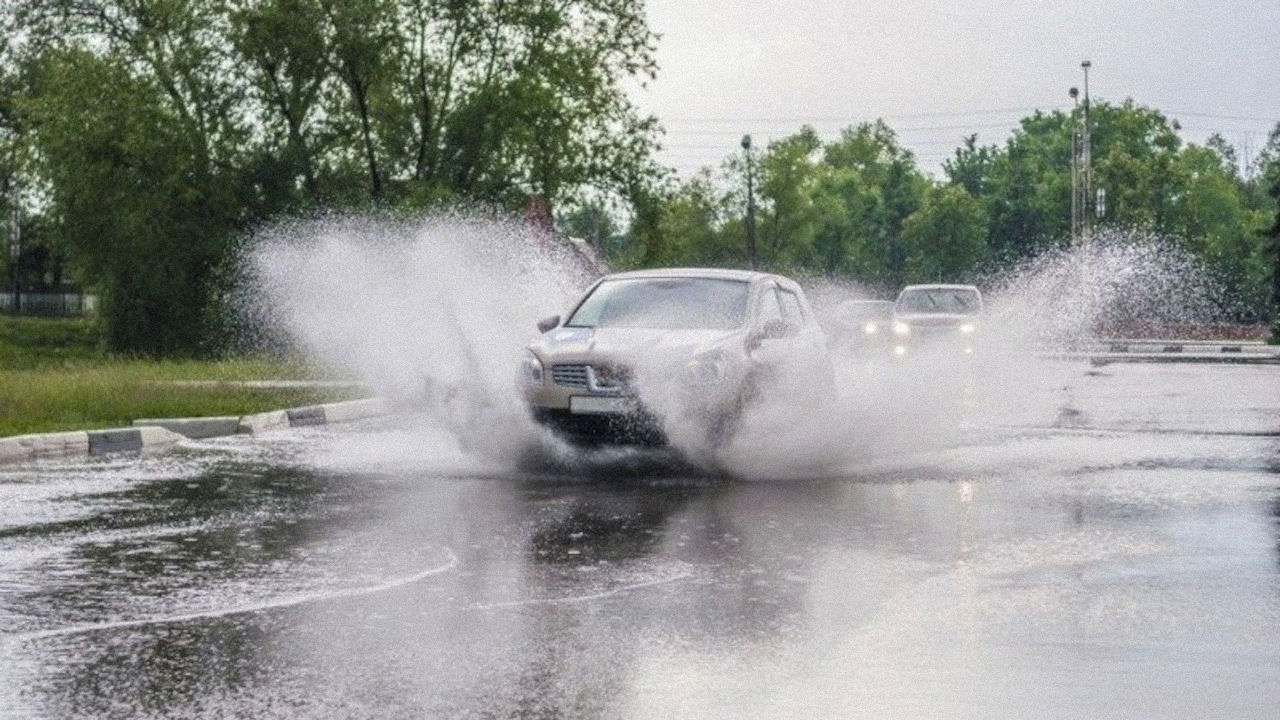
959,301
679,303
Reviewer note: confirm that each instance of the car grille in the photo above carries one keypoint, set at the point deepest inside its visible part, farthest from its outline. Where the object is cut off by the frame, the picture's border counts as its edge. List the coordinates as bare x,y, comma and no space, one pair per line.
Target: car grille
574,376
609,378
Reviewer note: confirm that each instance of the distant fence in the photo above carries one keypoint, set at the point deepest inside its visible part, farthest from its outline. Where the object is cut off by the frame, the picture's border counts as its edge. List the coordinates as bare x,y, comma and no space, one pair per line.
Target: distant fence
50,304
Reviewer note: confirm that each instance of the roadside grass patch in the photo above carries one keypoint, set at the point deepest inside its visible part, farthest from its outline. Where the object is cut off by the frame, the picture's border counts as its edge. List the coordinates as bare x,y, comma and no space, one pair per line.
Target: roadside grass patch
54,377
31,342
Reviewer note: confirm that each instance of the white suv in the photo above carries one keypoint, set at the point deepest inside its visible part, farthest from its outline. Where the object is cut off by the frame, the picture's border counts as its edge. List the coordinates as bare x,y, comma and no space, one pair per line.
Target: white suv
642,350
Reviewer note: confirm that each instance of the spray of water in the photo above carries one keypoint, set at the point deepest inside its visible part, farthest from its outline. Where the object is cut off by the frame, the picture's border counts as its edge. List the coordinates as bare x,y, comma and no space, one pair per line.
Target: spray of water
1123,283
433,314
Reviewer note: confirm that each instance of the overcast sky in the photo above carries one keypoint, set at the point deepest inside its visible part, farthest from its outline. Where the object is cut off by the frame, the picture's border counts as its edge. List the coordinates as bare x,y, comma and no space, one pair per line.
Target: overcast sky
938,70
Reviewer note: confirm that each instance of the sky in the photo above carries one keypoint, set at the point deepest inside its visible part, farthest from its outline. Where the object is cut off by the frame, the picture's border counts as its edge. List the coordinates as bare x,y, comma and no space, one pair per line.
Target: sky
938,71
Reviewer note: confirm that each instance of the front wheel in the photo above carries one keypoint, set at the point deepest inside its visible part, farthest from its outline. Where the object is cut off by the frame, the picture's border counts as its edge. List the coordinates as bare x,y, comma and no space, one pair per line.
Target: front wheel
725,424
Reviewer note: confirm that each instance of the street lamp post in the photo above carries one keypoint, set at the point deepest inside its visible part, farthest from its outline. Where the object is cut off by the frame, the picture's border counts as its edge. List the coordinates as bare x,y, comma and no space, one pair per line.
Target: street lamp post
15,246
1081,163
1086,156
1075,168
751,207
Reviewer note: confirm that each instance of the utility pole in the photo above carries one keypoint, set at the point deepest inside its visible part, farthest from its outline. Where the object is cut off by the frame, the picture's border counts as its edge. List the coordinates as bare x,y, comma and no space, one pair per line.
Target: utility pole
1081,165
1075,167
751,207
15,244
1086,154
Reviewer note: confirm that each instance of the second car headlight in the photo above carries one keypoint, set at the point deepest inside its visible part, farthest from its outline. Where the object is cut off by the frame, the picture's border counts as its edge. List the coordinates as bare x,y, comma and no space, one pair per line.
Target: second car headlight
901,328
968,328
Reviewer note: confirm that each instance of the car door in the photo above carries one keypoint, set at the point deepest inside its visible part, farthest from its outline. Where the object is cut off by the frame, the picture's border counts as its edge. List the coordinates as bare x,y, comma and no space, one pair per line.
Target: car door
809,359
778,357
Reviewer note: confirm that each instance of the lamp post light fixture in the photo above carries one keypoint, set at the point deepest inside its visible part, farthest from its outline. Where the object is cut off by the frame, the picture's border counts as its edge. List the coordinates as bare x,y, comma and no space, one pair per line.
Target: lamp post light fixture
751,206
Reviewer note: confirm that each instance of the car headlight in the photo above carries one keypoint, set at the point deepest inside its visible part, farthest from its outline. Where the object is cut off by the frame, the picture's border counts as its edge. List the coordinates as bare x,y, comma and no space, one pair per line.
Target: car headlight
870,328
968,328
531,370
901,328
706,369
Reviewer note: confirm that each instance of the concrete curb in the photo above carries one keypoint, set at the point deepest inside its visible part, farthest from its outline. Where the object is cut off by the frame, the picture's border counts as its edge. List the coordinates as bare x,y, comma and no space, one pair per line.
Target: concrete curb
262,422
90,443
155,433
1148,350
326,414
1221,358
196,428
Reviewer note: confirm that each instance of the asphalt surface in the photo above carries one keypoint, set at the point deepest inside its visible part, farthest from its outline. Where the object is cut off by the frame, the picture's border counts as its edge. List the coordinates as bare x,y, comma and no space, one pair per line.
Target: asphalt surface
1106,544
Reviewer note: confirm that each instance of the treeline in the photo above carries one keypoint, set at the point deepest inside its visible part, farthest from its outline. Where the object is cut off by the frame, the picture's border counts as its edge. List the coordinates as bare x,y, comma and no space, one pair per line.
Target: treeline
141,138
859,205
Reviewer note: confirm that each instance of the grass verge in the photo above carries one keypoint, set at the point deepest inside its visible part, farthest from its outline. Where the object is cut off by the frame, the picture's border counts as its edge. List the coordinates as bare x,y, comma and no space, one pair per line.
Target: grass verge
54,378
32,342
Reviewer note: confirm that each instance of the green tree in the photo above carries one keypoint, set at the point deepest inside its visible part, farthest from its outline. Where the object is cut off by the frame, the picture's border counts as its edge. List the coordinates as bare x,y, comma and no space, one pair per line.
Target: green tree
1271,252
834,236
946,238
1136,160
1208,211
700,227
284,51
879,184
135,199
971,167
591,221
139,137
1028,195
207,117
498,100
787,171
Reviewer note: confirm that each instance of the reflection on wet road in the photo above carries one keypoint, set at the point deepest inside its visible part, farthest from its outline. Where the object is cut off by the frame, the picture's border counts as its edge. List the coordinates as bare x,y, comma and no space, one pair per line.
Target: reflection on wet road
1126,563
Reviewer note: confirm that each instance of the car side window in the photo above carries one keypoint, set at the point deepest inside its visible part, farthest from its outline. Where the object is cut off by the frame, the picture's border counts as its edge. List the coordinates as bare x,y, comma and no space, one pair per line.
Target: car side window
791,310
770,308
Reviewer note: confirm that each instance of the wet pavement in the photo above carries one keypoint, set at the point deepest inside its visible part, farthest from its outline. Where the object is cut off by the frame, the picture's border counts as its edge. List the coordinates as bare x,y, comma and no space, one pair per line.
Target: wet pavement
1107,545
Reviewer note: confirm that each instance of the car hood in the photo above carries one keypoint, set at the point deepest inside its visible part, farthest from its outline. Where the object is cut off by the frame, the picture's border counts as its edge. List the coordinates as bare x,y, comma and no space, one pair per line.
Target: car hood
935,319
634,346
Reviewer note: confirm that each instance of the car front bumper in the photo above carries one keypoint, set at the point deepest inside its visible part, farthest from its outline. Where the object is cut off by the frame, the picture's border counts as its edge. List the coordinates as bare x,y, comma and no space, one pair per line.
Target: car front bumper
637,427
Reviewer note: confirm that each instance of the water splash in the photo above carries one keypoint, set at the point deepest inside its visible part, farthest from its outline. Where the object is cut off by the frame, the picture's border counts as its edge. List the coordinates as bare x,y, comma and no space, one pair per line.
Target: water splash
433,314
1123,283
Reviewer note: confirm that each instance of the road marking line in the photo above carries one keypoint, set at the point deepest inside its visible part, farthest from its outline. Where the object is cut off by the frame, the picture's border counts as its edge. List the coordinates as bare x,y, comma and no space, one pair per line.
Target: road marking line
276,604
573,599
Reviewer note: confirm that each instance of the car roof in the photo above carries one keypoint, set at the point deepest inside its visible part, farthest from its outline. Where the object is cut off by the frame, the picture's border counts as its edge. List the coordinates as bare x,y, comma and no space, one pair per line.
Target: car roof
940,287
709,273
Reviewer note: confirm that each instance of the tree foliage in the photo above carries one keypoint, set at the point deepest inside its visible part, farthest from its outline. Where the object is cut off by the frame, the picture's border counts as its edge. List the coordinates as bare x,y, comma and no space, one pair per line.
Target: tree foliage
145,136
1271,242
840,208
164,128
137,200
857,205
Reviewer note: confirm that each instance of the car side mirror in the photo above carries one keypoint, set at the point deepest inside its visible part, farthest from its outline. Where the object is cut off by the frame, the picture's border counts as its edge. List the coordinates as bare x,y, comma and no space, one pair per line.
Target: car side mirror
775,329
548,323
772,330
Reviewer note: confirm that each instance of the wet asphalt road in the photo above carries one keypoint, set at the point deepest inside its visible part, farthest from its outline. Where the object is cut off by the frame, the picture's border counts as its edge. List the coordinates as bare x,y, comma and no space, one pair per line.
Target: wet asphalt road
1109,548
